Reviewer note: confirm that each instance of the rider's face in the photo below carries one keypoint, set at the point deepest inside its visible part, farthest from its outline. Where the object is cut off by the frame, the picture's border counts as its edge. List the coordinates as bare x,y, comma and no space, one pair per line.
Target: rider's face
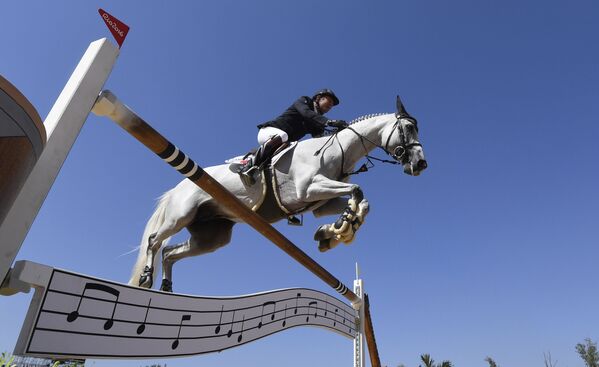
325,103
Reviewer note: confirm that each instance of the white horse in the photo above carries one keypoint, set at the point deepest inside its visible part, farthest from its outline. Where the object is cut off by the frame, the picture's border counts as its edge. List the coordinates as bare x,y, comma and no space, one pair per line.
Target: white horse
312,175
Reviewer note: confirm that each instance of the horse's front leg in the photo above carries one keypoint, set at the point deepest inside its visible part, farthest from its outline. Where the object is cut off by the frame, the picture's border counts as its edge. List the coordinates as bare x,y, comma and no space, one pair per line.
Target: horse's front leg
332,207
353,211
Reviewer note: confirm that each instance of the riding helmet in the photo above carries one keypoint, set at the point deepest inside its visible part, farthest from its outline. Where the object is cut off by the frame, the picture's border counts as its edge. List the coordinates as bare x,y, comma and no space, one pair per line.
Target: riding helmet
327,92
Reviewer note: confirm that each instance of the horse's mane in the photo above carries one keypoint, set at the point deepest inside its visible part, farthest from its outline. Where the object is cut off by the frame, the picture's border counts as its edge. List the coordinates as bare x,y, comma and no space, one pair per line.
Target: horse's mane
358,119
365,117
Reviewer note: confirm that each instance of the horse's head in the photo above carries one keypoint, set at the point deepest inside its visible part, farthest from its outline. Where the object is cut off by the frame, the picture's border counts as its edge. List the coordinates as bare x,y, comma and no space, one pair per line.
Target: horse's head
403,144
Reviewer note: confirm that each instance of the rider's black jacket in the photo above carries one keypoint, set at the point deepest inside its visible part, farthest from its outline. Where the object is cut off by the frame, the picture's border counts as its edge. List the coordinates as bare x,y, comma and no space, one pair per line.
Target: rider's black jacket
299,119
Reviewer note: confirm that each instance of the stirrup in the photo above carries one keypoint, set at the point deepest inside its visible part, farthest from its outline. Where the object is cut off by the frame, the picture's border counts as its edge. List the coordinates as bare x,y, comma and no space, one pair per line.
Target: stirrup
244,165
293,220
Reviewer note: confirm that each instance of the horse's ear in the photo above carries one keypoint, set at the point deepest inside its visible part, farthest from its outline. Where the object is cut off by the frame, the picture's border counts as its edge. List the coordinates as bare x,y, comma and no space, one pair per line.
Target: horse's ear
402,113
401,110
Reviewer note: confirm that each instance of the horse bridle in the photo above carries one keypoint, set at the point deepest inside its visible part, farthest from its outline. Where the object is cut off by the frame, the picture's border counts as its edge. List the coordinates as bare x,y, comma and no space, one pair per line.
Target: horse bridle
399,153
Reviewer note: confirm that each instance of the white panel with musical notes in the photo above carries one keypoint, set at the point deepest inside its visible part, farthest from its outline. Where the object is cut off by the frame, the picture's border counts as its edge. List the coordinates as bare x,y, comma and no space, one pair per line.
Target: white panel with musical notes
84,317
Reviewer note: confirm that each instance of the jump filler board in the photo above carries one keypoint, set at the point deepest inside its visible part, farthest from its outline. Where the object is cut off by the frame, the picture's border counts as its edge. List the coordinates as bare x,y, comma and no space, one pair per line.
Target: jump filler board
77,316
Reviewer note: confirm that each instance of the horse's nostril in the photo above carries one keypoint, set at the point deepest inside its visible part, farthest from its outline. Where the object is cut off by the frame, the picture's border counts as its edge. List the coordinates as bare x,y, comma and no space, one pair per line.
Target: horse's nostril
422,164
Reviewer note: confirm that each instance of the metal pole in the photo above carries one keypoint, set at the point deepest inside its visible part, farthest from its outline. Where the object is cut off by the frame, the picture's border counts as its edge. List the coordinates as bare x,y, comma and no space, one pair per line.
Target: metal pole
108,105
359,358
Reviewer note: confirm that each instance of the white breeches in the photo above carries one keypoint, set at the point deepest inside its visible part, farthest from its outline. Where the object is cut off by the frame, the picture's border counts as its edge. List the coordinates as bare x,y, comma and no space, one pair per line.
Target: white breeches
268,132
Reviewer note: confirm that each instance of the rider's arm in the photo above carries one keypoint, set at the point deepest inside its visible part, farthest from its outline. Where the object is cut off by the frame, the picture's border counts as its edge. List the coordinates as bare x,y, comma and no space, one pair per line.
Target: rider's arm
302,105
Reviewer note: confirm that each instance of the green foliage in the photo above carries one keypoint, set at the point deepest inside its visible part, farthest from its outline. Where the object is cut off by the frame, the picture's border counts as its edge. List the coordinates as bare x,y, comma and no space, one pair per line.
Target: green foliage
548,360
73,363
429,362
491,362
588,353
6,360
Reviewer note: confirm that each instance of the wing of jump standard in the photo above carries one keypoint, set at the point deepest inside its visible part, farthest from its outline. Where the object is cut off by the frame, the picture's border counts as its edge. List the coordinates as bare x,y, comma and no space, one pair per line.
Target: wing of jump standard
77,316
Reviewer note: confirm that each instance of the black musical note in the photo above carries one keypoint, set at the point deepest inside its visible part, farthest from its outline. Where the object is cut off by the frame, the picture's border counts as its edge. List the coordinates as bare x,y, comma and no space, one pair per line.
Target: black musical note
176,342
344,318
262,315
217,329
99,287
241,332
231,330
285,318
315,313
142,327
335,320
296,300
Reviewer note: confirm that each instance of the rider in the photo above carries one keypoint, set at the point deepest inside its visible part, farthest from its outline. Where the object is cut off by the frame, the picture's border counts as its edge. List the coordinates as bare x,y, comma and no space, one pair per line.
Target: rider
304,116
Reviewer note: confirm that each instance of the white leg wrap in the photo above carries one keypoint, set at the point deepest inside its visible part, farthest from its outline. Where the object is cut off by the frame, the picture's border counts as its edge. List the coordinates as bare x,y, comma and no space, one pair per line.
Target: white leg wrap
352,205
346,233
351,223
363,210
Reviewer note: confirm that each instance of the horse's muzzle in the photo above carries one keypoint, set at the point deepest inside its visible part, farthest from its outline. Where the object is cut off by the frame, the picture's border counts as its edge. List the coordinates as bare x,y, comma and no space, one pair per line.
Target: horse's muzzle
414,170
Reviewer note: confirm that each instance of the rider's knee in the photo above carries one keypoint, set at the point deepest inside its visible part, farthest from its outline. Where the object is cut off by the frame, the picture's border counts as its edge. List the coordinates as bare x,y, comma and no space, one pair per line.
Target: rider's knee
284,137
267,133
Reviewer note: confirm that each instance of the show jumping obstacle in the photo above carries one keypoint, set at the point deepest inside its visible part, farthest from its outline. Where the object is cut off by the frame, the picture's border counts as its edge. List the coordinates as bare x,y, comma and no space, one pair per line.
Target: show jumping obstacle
77,316
109,105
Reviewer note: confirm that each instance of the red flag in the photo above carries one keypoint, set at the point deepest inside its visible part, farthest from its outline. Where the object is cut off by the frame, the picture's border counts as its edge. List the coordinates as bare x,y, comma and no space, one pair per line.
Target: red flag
118,29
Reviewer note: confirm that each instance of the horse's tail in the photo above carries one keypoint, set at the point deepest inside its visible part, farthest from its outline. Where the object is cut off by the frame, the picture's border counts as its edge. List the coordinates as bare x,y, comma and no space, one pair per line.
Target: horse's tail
152,226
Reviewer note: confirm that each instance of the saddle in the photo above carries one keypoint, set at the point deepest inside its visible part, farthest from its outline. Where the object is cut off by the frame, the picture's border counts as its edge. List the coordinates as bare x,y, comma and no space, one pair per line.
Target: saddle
237,163
267,183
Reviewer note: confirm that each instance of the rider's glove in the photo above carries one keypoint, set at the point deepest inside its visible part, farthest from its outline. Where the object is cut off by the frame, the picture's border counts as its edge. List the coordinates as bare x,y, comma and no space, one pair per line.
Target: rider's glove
339,124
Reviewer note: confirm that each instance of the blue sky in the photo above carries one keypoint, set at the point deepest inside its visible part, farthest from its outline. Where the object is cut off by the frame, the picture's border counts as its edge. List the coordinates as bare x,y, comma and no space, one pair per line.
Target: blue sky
493,251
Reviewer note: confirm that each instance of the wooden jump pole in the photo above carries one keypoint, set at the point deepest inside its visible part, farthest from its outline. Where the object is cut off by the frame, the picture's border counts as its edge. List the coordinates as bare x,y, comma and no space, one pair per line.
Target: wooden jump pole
373,350
108,105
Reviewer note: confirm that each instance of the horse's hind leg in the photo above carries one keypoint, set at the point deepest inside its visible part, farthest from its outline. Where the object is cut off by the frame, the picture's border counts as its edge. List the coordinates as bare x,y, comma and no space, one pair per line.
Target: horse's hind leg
176,219
205,237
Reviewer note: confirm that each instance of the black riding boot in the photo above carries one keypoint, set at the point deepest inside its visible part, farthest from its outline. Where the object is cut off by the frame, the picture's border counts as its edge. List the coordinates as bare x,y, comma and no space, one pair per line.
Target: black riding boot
249,173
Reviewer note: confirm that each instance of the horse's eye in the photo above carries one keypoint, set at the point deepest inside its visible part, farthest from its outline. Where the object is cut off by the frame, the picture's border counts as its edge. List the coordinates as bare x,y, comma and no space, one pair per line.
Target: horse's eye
412,129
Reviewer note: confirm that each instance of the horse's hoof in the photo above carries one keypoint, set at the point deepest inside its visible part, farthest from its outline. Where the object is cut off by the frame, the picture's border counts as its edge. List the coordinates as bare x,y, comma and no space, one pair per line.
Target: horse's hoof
324,245
166,286
145,279
321,233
